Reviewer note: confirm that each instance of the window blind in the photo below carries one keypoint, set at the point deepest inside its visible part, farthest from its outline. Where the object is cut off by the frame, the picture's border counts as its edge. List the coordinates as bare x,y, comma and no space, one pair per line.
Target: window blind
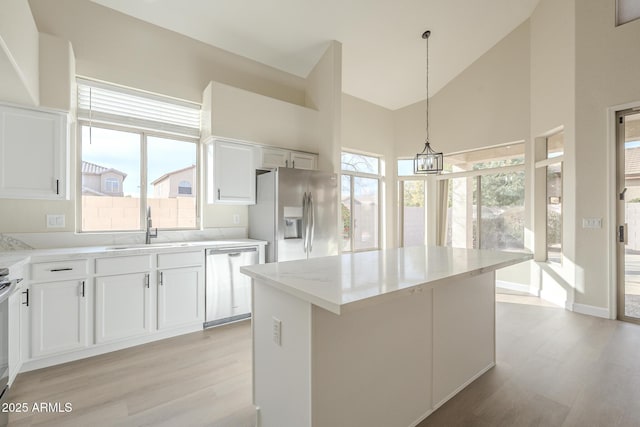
103,103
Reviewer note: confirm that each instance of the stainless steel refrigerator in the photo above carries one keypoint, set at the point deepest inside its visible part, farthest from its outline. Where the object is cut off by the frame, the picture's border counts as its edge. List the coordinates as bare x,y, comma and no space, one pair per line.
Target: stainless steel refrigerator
296,212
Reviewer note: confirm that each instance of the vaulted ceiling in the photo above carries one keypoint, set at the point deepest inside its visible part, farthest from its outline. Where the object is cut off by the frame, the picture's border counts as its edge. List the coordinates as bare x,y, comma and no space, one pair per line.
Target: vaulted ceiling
383,54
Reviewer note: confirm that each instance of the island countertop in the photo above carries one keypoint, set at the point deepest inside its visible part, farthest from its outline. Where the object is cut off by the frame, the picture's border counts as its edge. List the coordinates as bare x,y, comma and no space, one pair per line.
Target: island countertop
341,282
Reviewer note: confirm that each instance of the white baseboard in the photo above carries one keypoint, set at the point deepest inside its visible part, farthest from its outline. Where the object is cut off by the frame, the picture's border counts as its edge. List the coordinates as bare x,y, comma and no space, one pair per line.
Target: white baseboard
518,287
556,299
591,310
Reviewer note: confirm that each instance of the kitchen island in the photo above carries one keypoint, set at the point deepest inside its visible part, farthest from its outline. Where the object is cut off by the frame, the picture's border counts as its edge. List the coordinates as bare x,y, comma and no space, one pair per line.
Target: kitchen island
377,338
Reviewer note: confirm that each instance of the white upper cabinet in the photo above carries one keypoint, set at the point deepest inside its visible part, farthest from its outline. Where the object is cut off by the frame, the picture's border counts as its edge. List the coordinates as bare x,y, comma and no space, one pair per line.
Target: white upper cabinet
34,147
231,173
301,160
271,157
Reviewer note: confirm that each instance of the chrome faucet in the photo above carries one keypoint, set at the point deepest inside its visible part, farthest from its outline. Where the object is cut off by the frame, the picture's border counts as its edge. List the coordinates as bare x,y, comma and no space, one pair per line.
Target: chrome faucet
150,233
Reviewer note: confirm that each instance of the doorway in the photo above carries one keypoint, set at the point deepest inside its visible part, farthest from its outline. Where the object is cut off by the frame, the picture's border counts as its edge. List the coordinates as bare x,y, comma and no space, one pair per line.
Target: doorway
628,214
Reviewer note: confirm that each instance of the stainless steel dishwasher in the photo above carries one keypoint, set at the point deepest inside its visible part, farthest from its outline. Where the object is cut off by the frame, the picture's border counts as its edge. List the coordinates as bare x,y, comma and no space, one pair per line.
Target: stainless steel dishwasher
228,292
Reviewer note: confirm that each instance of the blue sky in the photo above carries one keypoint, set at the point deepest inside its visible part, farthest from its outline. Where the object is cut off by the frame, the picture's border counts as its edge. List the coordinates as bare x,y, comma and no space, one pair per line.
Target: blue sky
121,150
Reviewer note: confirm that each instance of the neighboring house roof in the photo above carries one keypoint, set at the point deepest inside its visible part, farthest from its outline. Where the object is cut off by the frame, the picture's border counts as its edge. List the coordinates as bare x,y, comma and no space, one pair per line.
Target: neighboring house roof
88,190
168,174
93,169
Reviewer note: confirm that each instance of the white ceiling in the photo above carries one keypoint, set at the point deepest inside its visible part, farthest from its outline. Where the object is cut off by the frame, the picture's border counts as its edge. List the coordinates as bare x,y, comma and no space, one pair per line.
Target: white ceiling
383,54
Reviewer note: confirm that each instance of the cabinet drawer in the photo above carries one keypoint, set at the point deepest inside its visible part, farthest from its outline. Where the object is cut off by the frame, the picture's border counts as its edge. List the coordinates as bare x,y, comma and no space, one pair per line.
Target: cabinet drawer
123,264
181,259
59,270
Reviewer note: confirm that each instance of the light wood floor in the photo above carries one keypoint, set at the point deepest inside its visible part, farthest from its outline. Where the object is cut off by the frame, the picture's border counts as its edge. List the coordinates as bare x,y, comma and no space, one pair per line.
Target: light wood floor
199,379
554,368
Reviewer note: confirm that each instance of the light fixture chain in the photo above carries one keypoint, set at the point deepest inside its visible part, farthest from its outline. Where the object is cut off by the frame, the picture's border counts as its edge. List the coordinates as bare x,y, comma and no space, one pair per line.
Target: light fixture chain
427,87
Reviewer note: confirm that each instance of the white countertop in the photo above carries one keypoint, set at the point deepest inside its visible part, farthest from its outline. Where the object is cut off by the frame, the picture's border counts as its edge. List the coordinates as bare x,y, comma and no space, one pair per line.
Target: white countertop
12,258
336,283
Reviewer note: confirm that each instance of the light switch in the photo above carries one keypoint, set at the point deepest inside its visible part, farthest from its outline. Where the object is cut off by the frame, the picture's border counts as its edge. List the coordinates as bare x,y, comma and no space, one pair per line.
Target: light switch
591,222
55,221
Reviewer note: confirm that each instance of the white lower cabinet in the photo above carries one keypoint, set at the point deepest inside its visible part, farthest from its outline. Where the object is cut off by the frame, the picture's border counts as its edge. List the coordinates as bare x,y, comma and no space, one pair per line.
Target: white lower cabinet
58,317
180,297
76,308
122,306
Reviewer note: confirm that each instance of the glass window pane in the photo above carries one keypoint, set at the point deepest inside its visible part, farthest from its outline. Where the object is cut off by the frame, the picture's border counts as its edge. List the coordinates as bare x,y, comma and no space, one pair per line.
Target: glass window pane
365,213
110,180
405,167
554,213
345,206
360,163
172,183
461,213
502,211
413,221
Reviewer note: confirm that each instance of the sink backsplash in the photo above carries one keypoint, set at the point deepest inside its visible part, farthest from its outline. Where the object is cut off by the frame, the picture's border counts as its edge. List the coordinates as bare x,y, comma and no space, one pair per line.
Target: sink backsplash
25,241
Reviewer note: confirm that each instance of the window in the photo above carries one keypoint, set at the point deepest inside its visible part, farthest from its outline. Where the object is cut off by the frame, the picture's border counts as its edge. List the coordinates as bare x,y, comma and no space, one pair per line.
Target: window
142,158
412,212
112,185
184,188
549,170
483,196
360,195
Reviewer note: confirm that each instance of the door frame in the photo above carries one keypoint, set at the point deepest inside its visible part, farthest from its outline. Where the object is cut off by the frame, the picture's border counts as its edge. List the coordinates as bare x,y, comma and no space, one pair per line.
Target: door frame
613,247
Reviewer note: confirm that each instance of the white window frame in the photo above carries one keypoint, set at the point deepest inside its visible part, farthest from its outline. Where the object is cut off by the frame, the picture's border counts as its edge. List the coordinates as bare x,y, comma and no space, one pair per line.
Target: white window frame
109,106
144,134
380,177
541,252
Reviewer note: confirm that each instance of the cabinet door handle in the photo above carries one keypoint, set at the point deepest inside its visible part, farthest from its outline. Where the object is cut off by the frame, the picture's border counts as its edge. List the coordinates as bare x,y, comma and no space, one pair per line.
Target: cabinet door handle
146,280
54,270
27,301
218,194
161,279
83,289
293,164
57,186
286,163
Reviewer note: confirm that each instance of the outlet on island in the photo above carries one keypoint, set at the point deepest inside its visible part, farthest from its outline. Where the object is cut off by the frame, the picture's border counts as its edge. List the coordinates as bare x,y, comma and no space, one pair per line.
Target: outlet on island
236,218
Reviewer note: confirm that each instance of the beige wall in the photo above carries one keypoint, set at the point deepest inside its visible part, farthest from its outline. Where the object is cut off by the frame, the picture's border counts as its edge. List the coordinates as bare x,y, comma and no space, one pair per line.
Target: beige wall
368,128
487,104
324,93
553,72
57,73
607,64
240,114
117,48
19,50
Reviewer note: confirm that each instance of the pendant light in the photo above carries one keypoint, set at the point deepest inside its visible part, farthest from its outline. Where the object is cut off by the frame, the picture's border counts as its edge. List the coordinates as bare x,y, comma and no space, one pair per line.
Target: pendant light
428,161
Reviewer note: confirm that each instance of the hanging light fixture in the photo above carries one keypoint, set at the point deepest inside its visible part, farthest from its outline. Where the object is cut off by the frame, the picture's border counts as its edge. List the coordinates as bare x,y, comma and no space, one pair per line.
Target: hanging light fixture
427,161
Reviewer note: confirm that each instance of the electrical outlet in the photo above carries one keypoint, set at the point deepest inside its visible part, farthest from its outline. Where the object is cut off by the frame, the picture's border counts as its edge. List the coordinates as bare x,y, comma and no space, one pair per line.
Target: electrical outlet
277,330
55,221
236,218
